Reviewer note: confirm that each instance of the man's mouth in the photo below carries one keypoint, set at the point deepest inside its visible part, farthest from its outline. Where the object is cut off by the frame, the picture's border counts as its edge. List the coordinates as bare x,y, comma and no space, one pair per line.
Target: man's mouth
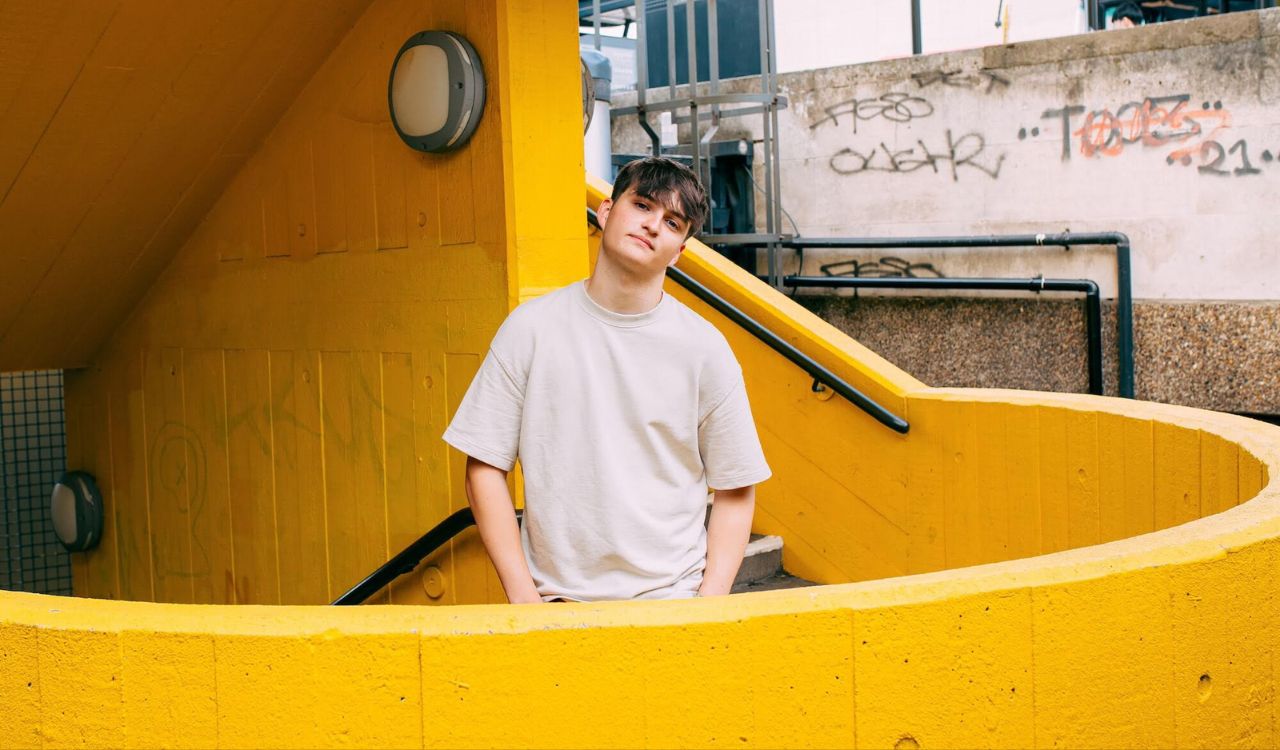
642,240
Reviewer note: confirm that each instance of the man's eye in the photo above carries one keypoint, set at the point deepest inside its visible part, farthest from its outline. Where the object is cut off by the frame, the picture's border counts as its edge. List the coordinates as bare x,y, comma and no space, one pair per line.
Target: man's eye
673,224
642,206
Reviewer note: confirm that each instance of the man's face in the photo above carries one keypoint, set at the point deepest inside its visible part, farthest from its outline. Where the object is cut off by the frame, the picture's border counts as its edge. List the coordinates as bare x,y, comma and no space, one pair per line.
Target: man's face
641,234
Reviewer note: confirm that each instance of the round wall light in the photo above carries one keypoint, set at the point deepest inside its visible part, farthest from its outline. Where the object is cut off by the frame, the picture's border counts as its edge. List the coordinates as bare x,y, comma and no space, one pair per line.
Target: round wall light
76,507
436,91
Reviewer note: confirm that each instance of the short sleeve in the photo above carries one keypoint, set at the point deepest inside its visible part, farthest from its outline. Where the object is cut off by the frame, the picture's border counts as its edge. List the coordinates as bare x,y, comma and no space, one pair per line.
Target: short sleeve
487,423
730,447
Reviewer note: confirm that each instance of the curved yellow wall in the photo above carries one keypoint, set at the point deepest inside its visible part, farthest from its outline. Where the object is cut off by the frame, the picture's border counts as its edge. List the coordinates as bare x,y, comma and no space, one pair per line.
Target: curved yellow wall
1162,640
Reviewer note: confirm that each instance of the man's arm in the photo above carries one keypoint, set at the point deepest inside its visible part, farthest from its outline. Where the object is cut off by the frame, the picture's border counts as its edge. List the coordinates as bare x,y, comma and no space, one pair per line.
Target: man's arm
727,535
496,518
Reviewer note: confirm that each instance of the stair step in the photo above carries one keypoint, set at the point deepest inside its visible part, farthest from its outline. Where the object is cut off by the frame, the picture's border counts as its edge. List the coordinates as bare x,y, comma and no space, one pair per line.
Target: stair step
761,568
763,559
772,583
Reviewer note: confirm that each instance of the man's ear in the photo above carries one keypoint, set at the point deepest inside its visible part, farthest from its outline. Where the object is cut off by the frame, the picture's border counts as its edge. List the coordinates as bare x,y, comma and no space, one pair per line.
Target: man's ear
602,213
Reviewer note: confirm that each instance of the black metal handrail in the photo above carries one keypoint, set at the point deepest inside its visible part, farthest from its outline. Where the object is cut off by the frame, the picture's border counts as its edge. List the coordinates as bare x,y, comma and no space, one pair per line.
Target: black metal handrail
1119,240
1093,300
819,373
410,556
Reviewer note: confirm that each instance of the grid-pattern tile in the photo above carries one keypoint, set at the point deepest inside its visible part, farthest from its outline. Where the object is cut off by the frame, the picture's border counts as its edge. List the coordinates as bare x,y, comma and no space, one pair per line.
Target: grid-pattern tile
33,454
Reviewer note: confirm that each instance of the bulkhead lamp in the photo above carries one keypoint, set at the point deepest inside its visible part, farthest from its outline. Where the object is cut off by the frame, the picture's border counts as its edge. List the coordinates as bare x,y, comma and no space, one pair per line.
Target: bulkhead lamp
436,91
76,507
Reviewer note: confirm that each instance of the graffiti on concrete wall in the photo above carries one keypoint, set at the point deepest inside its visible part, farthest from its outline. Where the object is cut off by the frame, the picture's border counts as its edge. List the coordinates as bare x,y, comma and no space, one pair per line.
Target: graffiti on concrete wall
1153,122
1191,133
942,153
985,80
893,106
885,268
957,157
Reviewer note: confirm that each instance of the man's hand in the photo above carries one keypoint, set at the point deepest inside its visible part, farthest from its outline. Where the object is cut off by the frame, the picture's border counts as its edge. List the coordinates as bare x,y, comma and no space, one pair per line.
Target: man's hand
496,519
727,535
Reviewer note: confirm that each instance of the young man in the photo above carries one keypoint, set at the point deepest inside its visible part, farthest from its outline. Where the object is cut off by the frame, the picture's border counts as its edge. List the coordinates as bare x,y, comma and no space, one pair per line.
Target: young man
623,407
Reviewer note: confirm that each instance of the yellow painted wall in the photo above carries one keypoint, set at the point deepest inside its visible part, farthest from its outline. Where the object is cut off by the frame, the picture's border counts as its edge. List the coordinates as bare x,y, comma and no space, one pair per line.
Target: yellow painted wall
270,402
266,425
1163,640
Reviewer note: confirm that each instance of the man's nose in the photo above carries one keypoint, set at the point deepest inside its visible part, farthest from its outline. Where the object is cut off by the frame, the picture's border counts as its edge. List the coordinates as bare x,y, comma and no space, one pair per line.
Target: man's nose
651,222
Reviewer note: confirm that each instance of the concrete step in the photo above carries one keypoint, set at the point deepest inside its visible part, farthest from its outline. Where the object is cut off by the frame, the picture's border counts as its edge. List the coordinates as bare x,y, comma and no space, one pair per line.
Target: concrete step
779,581
763,559
761,568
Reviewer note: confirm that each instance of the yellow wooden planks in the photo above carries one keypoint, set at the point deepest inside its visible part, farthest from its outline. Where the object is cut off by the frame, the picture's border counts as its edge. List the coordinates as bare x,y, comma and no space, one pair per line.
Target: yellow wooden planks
298,465
168,474
351,400
102,574
1112,500
251,477
1219,473
404,506
1083,514
989,456
1022,477
930,484
1177,475
1054,499
206,418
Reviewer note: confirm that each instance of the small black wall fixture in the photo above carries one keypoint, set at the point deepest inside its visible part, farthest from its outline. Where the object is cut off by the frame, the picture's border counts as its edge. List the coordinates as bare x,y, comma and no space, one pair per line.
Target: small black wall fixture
76,508
436,91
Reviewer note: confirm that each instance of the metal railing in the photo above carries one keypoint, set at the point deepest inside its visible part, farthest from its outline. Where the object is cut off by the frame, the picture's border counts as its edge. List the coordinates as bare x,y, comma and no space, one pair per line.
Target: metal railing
1093,300
408,558
1067,240
819,373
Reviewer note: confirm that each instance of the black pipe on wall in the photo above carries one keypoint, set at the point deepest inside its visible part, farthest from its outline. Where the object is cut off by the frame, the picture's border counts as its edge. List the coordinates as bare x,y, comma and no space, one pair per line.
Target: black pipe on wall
1093,300
917,37
1124,273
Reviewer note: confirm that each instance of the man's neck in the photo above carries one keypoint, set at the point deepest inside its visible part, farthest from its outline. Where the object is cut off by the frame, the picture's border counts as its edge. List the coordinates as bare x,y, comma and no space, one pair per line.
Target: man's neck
621,293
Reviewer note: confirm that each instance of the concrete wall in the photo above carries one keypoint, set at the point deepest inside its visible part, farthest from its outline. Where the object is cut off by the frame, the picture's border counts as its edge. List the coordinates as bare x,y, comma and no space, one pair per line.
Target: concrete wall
1168,133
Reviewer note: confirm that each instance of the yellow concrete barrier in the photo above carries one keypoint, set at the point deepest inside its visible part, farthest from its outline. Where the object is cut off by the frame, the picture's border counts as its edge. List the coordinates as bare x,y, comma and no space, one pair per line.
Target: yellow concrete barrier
1039,570
1162,640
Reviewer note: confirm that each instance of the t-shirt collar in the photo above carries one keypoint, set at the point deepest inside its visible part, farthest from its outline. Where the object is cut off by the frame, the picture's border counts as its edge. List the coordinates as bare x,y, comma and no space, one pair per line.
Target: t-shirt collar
621,320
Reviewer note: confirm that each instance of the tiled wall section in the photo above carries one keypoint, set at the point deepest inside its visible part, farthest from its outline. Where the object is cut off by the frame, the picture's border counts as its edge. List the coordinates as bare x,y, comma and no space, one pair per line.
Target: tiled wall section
33,454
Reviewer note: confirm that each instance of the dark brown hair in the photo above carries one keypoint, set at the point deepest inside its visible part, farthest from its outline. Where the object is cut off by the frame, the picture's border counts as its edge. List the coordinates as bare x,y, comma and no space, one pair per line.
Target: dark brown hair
670,183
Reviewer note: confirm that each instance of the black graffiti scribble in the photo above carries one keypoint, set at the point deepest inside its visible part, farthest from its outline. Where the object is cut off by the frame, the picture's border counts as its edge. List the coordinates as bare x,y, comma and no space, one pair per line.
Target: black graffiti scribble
961,80
1213,157
959,153
885,268
894,106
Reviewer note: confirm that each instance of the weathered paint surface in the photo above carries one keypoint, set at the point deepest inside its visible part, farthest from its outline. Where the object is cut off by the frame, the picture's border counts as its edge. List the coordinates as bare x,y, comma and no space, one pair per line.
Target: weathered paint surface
266,425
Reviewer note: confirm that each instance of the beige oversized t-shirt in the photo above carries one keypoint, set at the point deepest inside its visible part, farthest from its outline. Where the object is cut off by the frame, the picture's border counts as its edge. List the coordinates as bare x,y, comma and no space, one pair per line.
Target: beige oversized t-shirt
620,423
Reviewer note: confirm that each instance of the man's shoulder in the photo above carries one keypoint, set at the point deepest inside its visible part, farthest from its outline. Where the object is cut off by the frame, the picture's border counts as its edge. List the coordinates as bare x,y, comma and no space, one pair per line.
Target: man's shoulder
532,312
698,330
